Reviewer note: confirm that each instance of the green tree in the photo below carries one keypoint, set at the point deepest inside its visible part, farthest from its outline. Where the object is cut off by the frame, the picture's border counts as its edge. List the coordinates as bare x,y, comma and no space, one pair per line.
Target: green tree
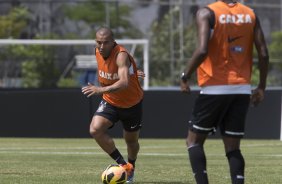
274,77
276,45
38,69
164,71
12,26
36,64
96,13
275,66
13,23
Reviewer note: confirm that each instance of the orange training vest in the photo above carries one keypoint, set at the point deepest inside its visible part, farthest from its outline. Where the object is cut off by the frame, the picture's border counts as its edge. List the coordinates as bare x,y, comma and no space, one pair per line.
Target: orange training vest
108,74
229,60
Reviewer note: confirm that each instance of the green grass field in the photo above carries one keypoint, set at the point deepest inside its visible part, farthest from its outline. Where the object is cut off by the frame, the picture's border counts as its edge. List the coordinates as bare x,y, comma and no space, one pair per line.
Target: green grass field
161,161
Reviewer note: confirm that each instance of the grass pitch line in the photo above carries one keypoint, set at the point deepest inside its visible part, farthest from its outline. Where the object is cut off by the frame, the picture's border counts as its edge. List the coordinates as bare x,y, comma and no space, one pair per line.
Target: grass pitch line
102,153
82,148
50,148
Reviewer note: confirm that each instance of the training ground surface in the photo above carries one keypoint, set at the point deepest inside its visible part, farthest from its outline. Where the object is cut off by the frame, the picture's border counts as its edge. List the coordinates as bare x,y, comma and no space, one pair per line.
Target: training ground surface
161,161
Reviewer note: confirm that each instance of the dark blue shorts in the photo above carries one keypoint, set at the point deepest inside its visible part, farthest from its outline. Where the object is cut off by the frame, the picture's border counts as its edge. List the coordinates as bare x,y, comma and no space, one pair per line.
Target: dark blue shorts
131,118
228,112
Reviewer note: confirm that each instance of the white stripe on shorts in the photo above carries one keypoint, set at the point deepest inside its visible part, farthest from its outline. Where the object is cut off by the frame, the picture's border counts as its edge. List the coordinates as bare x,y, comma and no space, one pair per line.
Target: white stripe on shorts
202,128
234,133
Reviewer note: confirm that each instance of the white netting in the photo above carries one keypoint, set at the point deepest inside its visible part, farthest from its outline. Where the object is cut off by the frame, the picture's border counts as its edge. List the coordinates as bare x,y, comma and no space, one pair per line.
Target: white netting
69,54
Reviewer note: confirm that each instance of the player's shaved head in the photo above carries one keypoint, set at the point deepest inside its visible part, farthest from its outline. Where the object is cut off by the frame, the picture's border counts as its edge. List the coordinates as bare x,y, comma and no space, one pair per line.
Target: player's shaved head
105,41
105,32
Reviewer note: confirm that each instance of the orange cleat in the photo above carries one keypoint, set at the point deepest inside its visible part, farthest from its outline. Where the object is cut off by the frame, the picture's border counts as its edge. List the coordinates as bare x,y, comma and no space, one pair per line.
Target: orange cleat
130,172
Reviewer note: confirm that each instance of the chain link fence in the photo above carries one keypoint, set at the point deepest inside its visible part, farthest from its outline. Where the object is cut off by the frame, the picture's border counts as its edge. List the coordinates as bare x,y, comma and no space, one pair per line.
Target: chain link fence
168,24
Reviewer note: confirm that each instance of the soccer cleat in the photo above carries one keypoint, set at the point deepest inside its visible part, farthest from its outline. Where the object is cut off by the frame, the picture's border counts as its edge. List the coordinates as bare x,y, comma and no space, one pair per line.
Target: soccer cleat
130,177
130,172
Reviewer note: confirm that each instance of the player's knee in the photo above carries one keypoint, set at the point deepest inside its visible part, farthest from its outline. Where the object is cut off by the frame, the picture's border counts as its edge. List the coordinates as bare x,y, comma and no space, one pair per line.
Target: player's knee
192,143
94,132
195,139
97,128
187,143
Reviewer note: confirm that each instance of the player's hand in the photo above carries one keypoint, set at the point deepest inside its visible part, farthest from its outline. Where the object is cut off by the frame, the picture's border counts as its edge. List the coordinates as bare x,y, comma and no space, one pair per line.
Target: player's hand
90,90
257,96
185,88
140,74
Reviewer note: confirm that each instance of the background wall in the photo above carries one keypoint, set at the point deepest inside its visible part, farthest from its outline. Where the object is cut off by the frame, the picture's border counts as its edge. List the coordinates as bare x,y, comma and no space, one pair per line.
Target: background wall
67,113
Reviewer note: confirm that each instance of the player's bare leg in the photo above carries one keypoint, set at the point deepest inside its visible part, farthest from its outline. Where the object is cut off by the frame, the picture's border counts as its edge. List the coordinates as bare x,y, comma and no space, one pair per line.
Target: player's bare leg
131,139
98,130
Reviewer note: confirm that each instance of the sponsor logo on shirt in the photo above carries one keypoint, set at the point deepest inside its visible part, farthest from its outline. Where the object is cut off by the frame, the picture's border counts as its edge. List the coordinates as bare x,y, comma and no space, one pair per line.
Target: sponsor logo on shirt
235,19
